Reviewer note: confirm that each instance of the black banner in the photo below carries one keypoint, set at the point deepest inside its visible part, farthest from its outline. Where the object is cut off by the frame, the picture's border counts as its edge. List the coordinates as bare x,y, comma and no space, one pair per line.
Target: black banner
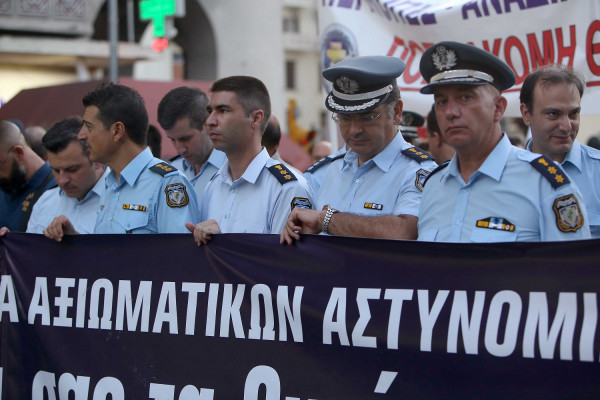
155,317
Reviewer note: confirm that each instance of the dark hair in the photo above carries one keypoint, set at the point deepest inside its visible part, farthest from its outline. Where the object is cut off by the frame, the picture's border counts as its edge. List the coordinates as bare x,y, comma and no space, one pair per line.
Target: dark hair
118,103
432,125
183,102
154,140
549,75
251,93
271,136
594,142
62,134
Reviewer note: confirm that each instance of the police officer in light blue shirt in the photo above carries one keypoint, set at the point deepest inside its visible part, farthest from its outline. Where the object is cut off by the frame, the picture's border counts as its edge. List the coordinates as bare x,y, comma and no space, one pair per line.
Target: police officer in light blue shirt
143,193
490,191
150,196
80,181
181,113
375,188
259,201
550,106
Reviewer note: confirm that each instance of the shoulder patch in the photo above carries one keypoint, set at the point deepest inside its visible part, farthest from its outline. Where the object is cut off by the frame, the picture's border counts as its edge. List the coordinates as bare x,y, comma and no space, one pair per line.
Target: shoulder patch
417,154
177,195
569,217
163,168
439,168
551,171
323,161
301,202
282,173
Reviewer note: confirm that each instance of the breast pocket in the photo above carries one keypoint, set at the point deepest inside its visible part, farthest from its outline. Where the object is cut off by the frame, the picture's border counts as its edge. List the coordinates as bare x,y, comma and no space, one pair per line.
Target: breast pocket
133,221
483,235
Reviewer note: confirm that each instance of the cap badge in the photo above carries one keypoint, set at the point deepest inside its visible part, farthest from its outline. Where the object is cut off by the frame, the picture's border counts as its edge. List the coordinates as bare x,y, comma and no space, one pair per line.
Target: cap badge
443,58
407,119
347,85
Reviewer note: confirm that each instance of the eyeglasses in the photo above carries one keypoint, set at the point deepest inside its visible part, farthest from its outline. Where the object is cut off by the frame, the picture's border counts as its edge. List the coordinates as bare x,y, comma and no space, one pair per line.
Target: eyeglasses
6,158
344,120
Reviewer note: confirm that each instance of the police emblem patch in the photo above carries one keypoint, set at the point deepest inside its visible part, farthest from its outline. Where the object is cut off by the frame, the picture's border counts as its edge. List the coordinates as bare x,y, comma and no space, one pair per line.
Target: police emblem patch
422,175
301,202
443,58
568,214
176,195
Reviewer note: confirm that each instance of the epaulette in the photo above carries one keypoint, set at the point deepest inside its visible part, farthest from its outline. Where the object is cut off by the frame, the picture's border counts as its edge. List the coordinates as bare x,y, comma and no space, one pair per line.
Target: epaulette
322,162
551,171
439,168
178,156
282,173
417,154
162,168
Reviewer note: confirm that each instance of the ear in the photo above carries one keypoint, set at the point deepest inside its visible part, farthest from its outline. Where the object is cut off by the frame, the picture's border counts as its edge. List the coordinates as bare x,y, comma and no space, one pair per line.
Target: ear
398,107
257,117
525,114
500,107
19,152
118,132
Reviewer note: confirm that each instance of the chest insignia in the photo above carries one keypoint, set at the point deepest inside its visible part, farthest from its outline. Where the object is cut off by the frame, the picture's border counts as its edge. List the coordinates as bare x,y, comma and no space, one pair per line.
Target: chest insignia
500,224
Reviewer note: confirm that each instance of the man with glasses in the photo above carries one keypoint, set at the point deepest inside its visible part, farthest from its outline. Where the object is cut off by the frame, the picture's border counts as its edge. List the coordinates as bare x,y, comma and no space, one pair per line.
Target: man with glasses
24,176
375,189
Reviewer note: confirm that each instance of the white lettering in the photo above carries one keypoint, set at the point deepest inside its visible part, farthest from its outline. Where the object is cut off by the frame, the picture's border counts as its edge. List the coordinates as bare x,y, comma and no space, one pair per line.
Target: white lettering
94,322
166,309
190,317
286,315
364,316
40,305
337,301
459,317
7,291
397,296
230,310
63,302
268,332
511,331
125,307
262,375
429,318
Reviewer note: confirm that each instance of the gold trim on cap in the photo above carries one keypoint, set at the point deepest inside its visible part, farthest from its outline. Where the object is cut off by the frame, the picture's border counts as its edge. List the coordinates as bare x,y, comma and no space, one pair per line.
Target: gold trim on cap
467,74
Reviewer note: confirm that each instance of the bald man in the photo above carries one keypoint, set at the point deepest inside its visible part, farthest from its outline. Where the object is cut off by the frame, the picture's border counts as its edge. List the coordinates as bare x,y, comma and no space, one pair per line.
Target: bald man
24,176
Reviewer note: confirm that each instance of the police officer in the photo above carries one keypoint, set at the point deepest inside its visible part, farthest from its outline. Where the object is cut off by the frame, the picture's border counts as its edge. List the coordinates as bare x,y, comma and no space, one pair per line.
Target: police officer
181,113
550,106
316,172
143,194
80,181
251,193
374,190
411,121
490,191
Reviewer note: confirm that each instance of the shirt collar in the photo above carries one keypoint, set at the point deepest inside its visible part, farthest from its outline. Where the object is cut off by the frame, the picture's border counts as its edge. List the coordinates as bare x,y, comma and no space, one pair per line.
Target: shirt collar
217,159
574,156
494,164
252,171
133,170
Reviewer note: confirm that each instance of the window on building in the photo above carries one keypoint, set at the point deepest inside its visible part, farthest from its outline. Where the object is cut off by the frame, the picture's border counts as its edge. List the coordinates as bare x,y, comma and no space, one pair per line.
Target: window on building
291,22
290,75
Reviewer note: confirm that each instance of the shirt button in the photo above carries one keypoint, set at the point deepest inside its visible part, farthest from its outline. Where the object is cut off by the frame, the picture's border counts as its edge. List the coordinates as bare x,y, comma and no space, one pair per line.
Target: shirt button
358,180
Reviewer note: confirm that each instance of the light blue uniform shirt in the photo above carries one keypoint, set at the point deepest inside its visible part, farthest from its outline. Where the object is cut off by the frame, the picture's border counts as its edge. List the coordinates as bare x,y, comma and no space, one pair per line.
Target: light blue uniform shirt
507,199
582,164
145,201
215,161
316,172
55,202
257,202
388,184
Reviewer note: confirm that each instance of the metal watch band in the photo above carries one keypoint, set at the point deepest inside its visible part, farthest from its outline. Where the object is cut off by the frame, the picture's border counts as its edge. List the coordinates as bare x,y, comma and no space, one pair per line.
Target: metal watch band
328,214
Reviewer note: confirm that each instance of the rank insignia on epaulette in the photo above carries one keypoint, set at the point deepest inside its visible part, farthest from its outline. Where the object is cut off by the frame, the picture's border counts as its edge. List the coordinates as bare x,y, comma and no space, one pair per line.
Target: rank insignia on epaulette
301,202
500,224
134,207
551,171
416,154
422,175
281,173
176,195
568,214
162,168
374,206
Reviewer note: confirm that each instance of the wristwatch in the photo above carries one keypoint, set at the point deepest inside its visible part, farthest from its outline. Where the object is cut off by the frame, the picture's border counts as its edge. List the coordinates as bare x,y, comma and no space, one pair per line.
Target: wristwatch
328,214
